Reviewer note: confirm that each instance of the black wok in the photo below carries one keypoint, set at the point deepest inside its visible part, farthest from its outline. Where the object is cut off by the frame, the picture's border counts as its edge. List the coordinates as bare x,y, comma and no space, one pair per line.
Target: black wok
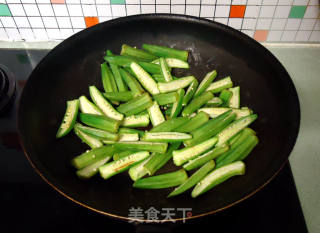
67,71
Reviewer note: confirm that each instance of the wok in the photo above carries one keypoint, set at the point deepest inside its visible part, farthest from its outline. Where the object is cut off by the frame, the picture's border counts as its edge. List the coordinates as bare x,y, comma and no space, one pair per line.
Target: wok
67,71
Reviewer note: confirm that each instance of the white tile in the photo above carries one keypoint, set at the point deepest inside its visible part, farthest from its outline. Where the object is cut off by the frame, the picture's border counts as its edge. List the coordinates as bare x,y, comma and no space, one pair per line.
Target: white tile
133,9
254,2
65,33
317,26
274,36
288,35
191,1
50,22
249,23
16,9
314,2
13,1
315,36
7,22
221,20
162,8
263,24
105,10
132,1
54,34
89,10
207,11
307,24
145,9
303,35
209,18
13,33
77,30
282,12
118,10
102,1
26,34
285,2
42,2
177,9
31,9
103,19
312,12
278,24
208,2
267,11
270,2
87,2
177,2
46,10
64,22
36,22
222,11
78,22
22,22
300,2
252,11
75,10
148,1
235,23
293,24
249,33
60,9
3,34
239,2
3,1
28,1
193,10
73,1
223,2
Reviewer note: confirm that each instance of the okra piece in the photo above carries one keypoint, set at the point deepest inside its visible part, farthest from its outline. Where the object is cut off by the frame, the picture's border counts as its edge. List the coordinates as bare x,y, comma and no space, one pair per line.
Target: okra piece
117,76
139,54
216,111
235,138
170,125
158,78
103,104
166,180
234,128
194,179
155,114
121,154
196,103
92,142
225,96
166,98
165,137
132,83
214,102
100,122
220,85
132,131
97,133
204,158
136,105
190,92
168,111
88,107
136,121
193,123
138,171
115,167
123,96
173,63
150,67
90,157
205,83
142,146
162,51
106,80
177,106
175,84
158,160
210,128
145,79
218,176
165,69
187,153
119,60
89,171
235,99
69,118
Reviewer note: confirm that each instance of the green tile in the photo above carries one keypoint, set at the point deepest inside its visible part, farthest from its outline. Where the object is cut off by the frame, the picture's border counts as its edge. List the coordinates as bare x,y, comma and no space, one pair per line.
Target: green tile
118,2
4,10
297,11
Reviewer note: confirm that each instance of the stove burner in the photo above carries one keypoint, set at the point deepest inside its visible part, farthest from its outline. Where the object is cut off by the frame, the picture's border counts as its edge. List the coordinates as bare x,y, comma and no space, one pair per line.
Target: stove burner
7,89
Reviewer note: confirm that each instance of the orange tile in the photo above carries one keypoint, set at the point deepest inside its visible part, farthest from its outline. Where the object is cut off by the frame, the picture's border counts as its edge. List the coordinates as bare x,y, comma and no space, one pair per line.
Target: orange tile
237,11
91,21
58,1
261,35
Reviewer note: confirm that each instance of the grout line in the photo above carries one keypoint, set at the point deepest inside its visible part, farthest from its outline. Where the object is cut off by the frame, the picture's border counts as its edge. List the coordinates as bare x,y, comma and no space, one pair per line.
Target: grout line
243,15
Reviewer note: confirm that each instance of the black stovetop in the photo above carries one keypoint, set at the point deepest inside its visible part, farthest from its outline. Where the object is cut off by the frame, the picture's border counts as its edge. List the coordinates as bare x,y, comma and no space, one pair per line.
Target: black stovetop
31,205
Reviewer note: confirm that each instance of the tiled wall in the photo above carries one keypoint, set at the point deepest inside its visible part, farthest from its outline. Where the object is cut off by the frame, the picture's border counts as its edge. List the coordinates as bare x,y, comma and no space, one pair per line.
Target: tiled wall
264,20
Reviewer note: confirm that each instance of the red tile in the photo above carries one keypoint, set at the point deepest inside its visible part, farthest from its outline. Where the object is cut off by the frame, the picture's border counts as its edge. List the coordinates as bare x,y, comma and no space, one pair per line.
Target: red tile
237,11
91,21
261,35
